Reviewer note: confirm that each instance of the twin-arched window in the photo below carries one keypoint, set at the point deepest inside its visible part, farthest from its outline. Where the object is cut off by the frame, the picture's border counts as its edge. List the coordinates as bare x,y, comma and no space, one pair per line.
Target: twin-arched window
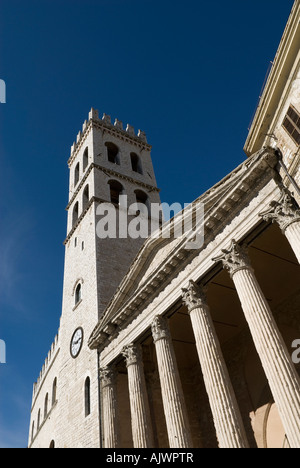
113,154
142,198
136,164
85,202
85,163
85,197
116,189
54,391
75,214
76,174
46,406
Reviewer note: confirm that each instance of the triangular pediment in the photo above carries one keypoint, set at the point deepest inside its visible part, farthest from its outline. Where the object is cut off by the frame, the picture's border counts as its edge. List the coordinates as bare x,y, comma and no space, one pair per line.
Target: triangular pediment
159,256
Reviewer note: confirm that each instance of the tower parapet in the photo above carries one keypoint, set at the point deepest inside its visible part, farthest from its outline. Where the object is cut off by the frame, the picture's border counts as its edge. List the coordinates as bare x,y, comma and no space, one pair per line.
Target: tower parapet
106,122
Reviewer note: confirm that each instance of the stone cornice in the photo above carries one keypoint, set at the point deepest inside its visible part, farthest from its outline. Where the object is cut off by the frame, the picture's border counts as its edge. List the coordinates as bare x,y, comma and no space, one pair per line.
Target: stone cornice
122,134
129,297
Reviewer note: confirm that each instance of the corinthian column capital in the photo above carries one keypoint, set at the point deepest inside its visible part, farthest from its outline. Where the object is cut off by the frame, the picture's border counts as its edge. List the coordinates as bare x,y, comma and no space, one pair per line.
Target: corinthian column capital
160,328
234,259
132,353
107,376
284,212
194,296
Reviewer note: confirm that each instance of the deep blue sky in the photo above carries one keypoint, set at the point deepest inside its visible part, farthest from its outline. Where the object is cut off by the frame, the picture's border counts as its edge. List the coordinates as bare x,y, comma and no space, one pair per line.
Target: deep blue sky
189,73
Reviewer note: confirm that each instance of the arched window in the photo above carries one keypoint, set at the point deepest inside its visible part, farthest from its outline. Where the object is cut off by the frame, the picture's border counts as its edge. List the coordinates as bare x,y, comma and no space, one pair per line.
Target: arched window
116,189
52,445
76,175
75,214
54,391
112,153
46,406
39,419
143,199
32,431
85,197
85,161
87,397
78,294
136,163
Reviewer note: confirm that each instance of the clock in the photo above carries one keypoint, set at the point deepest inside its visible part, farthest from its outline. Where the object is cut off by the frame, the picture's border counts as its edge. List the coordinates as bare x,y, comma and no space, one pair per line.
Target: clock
76,342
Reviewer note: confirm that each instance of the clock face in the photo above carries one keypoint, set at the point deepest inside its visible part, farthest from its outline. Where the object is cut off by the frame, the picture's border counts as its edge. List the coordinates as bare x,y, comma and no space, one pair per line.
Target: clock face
76,342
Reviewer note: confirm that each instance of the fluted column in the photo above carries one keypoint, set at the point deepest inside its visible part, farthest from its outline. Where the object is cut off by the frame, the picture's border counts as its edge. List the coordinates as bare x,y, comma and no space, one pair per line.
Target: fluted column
139,405
227,418
110,411
287,215
172,393
277,363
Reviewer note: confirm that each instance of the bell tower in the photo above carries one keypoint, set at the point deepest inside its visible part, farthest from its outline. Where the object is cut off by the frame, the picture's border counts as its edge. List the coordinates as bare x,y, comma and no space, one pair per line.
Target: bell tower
106,161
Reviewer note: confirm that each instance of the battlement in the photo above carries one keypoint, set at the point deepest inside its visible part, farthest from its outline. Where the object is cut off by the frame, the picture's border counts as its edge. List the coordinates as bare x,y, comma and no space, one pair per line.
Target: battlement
106,122
48,362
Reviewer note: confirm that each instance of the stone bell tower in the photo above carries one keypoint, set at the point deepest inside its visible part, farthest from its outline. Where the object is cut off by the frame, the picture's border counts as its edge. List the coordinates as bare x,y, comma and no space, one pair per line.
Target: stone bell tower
106,161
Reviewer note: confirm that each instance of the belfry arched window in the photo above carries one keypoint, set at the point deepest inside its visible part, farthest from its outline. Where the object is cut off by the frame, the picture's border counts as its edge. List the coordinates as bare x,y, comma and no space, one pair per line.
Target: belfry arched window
136,163
85,197
46,406
112,153
116,189
76,174
75,214
85,161
143,199
54,391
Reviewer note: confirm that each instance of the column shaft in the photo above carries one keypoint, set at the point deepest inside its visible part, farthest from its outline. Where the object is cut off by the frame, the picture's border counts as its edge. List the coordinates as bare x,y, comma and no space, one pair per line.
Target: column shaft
292,233
172,393
279,368
227,418
140,413
275,358
109,408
